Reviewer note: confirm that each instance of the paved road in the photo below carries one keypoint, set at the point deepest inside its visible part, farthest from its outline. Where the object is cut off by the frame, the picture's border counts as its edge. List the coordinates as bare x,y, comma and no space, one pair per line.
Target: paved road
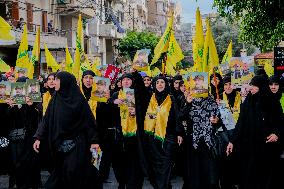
176,183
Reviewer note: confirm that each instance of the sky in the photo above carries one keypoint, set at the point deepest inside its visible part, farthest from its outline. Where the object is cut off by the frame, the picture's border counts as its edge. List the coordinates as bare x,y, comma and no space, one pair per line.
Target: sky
189,7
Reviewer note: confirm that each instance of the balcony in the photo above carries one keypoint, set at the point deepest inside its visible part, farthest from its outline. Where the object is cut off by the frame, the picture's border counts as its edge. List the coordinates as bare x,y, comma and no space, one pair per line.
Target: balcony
107,30
74,8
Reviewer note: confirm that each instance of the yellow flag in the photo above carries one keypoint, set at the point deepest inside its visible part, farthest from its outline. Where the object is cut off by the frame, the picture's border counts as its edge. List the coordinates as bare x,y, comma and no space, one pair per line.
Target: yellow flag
268,68
229,53
23,56
4,67
170,69
163,44
35,55
94,66
174,54
198,43
79,53
68,61
210,55
6,36
86,65
51,62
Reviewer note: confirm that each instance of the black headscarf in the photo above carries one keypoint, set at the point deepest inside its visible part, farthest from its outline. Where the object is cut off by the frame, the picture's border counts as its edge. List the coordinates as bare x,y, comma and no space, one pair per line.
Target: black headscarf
68,113
22,79
87,91
161,96
51,90
129,76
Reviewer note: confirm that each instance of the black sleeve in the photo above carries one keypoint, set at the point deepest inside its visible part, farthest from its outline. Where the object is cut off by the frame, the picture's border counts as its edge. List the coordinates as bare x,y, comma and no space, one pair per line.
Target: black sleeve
41,133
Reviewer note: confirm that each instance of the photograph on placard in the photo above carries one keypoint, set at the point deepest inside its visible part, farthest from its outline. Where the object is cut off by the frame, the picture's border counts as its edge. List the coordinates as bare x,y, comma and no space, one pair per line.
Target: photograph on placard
18,92
5,91
100,91
199,84
242,70
224,69
33,90
140,61
20,72
129,97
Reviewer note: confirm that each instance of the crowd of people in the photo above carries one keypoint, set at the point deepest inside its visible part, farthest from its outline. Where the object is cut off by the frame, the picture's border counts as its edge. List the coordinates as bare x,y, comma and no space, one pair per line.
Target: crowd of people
167,133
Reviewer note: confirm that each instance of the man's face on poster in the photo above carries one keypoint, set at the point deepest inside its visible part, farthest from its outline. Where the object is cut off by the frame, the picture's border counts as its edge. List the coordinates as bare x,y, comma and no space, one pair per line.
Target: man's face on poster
129,96
101,87
199,83
19,90
33,88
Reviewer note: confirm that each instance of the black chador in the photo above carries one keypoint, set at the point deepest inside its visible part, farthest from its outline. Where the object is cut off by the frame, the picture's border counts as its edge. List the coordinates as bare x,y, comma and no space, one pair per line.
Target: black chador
69,127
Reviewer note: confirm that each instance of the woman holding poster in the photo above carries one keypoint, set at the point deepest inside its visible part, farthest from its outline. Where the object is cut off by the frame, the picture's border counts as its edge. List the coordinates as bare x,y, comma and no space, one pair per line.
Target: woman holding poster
161,133
131,120
69,127
50,90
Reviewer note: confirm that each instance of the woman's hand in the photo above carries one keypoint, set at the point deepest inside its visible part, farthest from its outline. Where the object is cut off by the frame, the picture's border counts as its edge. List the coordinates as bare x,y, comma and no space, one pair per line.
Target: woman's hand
180,140
229,148
36,146
117,101
214,119
272,138
189,97
95,146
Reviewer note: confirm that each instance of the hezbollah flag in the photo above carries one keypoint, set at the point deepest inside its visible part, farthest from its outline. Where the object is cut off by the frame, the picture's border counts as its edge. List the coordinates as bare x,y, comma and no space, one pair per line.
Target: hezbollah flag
229,53
163,44
94,66
35,54
198,43
6,36
68,61
23,56
210,56
79,53
50,60
174,54
4,67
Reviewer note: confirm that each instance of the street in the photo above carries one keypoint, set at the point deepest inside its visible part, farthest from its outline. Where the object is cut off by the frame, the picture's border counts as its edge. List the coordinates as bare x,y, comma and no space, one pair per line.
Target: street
112,184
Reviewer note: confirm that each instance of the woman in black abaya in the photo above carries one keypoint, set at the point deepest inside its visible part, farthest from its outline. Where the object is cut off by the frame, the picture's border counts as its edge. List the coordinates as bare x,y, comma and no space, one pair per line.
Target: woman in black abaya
161,134
69,126
256,136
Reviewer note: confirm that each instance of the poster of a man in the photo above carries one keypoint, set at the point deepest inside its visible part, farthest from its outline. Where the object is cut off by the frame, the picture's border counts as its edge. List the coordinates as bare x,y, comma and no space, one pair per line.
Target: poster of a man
33,90
5,90
20,72
101,89
18,93
199,84
140,61
130,99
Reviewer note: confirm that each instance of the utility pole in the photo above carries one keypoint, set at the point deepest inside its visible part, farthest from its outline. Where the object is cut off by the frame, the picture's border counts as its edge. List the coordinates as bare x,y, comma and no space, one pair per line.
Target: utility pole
133,19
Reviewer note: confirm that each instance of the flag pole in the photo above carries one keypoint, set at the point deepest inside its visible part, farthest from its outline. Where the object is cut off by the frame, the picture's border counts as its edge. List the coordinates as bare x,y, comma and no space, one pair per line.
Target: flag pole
39,56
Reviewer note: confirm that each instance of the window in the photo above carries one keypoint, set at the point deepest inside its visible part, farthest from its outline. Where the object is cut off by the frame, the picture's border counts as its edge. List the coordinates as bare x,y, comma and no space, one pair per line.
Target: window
30,17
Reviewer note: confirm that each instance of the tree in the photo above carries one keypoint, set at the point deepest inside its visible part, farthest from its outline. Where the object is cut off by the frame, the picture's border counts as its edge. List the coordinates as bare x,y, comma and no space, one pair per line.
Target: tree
262,21
223,32
134,41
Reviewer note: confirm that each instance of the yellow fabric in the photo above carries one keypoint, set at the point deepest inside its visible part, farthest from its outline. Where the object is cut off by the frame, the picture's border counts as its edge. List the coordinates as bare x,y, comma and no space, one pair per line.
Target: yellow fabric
268,68
68,61
4,67
236,109
210,55
23,56
79,48
174,54
51,62
45,101
198,43
229,53
5,32
159,114
92,103
163,44
35,54
128,122
94,66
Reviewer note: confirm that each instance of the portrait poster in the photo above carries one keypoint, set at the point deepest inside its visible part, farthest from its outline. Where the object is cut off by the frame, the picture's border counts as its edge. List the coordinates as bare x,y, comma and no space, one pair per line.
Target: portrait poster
18,92
242,70
140,61
102,69
226,116
100,91
96,158
129,97
33,90
199,84
5,91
